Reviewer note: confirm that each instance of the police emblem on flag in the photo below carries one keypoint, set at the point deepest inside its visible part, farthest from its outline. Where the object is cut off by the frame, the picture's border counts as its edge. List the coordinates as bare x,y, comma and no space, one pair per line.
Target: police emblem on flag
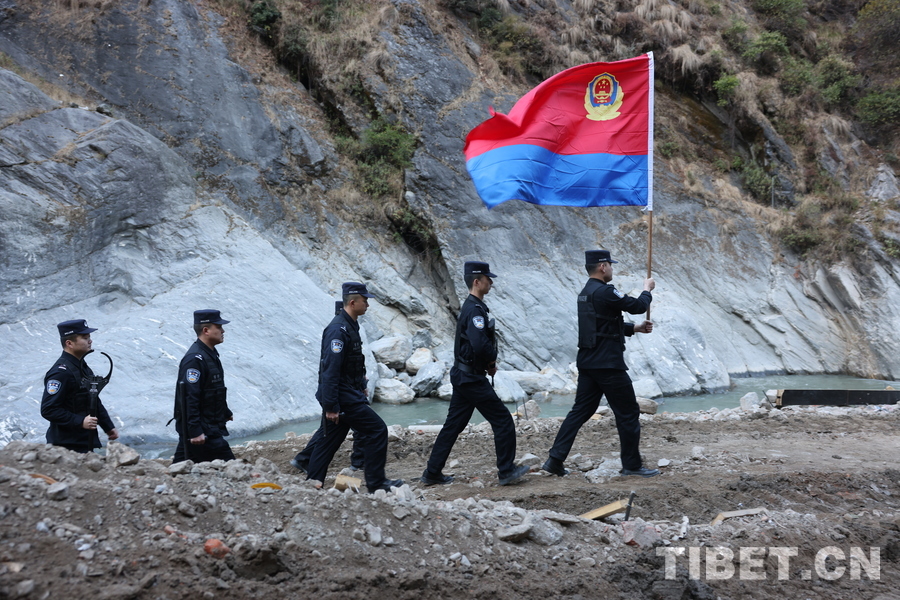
53,386
603,98
478,321
337,346
193,375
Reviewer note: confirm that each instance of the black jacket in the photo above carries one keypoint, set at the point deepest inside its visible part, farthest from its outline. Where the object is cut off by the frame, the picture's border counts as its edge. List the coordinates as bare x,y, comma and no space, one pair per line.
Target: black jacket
201,380
608,305
475,346
66,402
342,366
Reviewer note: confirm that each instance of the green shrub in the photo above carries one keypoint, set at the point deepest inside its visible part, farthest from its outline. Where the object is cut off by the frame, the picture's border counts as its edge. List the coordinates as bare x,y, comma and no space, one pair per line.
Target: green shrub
835,79
669,148
785,16
800,240
879,24
263,17
765,51
796,75
384,141
735,36
725,87
757,182
881,108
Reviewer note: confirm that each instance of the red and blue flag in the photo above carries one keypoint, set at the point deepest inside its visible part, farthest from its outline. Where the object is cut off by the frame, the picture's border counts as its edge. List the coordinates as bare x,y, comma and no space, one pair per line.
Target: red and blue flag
584,137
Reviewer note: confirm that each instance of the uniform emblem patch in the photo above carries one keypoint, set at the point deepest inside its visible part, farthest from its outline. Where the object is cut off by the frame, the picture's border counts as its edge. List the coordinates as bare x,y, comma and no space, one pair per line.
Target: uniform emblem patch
478,322
53,386
193,375
337,346
618,293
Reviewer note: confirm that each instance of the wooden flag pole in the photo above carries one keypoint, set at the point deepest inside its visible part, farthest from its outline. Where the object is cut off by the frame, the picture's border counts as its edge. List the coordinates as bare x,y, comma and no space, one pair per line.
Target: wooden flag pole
649,250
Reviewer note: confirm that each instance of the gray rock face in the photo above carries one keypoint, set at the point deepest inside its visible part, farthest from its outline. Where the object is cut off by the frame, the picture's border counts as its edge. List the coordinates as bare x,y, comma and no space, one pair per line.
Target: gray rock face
207,188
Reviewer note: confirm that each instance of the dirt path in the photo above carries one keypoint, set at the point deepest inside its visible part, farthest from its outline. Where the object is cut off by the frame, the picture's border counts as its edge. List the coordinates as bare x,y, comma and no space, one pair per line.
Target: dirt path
829,485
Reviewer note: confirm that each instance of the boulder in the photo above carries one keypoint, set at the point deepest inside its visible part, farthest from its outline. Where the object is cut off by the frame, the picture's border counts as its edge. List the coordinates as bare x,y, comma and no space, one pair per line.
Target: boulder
750,401
647,406
392,351
647,388
428,378
508,390
391,391
445,391
418,359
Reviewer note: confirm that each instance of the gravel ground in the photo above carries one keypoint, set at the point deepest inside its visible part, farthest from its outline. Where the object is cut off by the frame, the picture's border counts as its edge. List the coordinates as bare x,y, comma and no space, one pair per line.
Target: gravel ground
826,481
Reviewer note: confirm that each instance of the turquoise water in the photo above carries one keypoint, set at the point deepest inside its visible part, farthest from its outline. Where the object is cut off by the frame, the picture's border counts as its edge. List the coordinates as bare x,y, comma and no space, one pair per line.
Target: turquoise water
429,411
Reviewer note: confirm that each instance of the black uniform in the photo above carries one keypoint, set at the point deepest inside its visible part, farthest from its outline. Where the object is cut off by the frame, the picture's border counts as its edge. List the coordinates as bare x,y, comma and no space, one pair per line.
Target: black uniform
66,402
602,370
342,389
201,384
301,461
475,352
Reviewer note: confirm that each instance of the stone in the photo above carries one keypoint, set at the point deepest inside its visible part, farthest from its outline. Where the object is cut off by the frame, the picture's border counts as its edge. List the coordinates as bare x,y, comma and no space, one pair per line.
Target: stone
529,459
418,359
647,406
663,462
697,453
428,378
180,468
884,187
639,533
238,470
647,387
391,391
385,372
545,532
445,391
395,433
120,455
515,533
58,490
392,351
750,401
507,389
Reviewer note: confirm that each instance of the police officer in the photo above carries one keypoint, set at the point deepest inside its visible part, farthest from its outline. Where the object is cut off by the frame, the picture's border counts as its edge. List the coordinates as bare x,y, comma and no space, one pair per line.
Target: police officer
301,461
66,402
201,407
475,353
601,364
343,395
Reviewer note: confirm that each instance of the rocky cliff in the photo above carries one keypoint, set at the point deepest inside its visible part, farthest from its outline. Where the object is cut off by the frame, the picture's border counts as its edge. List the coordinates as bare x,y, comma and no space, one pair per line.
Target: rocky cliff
154,159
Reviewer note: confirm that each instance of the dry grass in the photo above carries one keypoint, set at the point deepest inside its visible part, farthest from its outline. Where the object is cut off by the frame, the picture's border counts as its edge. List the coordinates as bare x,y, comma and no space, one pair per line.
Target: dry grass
690,62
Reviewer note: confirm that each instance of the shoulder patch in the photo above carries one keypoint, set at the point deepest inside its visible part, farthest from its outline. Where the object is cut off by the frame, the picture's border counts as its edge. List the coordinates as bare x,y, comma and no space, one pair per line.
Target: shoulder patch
53,386
337,346
478,322
618,293
193,375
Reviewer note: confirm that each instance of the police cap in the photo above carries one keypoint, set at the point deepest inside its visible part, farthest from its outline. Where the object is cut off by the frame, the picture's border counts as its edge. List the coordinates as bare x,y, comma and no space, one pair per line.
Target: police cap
76,327
477,268
354,288
208,315
592,257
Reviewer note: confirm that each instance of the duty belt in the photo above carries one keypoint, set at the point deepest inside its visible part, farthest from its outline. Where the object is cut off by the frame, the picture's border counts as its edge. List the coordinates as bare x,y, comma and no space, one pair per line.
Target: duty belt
467,368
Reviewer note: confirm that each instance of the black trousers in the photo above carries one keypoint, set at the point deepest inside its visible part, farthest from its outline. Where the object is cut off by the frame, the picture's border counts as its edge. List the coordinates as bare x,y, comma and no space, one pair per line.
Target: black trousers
467,397
356,456
592,385
209,450
362,419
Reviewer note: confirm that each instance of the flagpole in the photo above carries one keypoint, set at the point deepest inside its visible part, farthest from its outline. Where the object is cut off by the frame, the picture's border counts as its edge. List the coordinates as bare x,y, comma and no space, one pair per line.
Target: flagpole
650,175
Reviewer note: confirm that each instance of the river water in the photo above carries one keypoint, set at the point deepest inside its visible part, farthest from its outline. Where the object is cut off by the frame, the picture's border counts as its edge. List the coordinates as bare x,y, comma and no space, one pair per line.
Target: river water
429,411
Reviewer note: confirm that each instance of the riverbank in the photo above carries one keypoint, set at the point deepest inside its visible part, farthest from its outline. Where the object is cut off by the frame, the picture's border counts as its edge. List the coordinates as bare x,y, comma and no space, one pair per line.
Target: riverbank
825,478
